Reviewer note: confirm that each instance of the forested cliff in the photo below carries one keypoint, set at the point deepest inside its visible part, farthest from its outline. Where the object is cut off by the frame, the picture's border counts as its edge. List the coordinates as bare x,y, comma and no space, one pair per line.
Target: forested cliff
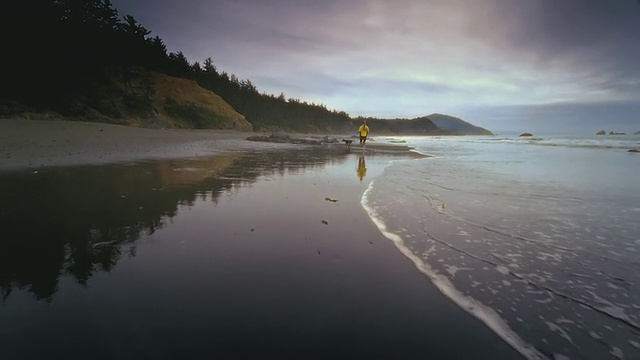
79,59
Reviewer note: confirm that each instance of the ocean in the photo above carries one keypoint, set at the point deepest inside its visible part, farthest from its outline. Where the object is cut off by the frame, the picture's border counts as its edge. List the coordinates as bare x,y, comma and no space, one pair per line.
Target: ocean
537,237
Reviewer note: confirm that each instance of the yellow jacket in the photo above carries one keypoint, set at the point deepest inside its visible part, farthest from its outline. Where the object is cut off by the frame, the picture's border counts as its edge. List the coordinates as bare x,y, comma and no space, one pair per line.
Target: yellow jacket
363,130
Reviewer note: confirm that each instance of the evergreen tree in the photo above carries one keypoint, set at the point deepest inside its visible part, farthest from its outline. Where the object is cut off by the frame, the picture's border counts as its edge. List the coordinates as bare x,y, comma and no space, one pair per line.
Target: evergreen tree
88,57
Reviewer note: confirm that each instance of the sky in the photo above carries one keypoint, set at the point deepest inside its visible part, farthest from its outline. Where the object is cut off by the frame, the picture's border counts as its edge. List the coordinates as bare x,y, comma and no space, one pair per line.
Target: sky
506,65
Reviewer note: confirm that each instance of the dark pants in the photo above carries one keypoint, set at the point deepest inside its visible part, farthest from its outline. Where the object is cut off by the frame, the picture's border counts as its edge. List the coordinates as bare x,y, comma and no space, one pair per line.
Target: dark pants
363,139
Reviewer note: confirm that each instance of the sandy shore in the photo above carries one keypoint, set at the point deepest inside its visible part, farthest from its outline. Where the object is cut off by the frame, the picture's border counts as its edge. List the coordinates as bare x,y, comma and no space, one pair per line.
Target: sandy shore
267,254
37,143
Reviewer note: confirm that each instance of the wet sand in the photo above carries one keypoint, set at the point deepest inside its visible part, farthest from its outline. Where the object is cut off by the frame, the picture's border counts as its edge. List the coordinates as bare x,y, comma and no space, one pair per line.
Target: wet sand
255,263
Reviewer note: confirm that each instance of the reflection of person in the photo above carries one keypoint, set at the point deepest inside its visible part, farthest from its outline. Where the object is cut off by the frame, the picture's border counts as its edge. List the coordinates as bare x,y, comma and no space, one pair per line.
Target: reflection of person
363,130
362,168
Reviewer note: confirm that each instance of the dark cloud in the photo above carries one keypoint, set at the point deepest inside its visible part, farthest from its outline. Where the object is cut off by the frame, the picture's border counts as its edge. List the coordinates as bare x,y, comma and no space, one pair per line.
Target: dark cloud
593,33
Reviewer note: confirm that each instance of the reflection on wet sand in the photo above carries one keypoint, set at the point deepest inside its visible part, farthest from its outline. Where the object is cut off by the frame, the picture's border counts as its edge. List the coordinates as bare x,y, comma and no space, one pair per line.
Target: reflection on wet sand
362,167
247,260
81,220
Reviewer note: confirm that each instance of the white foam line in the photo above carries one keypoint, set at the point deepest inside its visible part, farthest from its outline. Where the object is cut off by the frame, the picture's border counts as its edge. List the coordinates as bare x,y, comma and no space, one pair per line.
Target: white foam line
482,312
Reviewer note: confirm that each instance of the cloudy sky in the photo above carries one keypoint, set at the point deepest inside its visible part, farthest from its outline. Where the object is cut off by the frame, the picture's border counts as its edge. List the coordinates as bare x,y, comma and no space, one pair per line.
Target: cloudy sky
514,65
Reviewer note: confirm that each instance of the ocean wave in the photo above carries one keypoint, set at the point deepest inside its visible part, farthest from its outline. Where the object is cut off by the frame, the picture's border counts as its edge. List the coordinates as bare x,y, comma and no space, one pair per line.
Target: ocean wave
482,312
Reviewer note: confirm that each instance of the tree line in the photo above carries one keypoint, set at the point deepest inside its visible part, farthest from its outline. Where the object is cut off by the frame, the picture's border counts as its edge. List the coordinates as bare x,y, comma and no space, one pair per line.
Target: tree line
80,58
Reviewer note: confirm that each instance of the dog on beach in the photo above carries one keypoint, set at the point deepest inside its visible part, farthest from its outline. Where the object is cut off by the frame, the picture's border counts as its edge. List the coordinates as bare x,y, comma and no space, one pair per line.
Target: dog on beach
348,142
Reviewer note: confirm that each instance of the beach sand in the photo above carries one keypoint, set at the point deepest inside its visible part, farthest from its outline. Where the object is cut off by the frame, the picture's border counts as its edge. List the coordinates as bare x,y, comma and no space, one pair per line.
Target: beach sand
267,253
38,143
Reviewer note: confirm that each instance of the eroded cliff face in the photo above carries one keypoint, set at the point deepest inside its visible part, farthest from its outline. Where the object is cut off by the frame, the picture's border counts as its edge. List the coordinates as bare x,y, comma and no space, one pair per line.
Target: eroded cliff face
185,104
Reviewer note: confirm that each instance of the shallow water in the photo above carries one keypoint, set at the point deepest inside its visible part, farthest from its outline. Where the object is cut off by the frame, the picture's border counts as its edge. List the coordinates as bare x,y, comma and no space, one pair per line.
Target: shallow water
539,238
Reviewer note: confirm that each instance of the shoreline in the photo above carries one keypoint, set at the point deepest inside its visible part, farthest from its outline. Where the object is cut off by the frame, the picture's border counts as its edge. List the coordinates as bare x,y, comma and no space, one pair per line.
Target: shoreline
352,292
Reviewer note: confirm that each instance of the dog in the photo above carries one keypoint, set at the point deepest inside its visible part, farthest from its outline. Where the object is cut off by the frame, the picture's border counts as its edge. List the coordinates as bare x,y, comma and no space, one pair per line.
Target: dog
348,142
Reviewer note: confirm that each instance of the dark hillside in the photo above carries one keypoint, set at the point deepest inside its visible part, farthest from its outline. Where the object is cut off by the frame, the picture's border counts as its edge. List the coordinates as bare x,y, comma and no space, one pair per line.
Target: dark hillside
80,60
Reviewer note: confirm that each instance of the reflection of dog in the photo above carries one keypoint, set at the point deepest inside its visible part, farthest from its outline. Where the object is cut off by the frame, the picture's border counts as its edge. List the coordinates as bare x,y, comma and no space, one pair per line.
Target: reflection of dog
348,142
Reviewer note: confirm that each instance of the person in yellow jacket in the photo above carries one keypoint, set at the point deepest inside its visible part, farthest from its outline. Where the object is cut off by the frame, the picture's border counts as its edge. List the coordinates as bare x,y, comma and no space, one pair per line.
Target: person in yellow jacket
364,132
